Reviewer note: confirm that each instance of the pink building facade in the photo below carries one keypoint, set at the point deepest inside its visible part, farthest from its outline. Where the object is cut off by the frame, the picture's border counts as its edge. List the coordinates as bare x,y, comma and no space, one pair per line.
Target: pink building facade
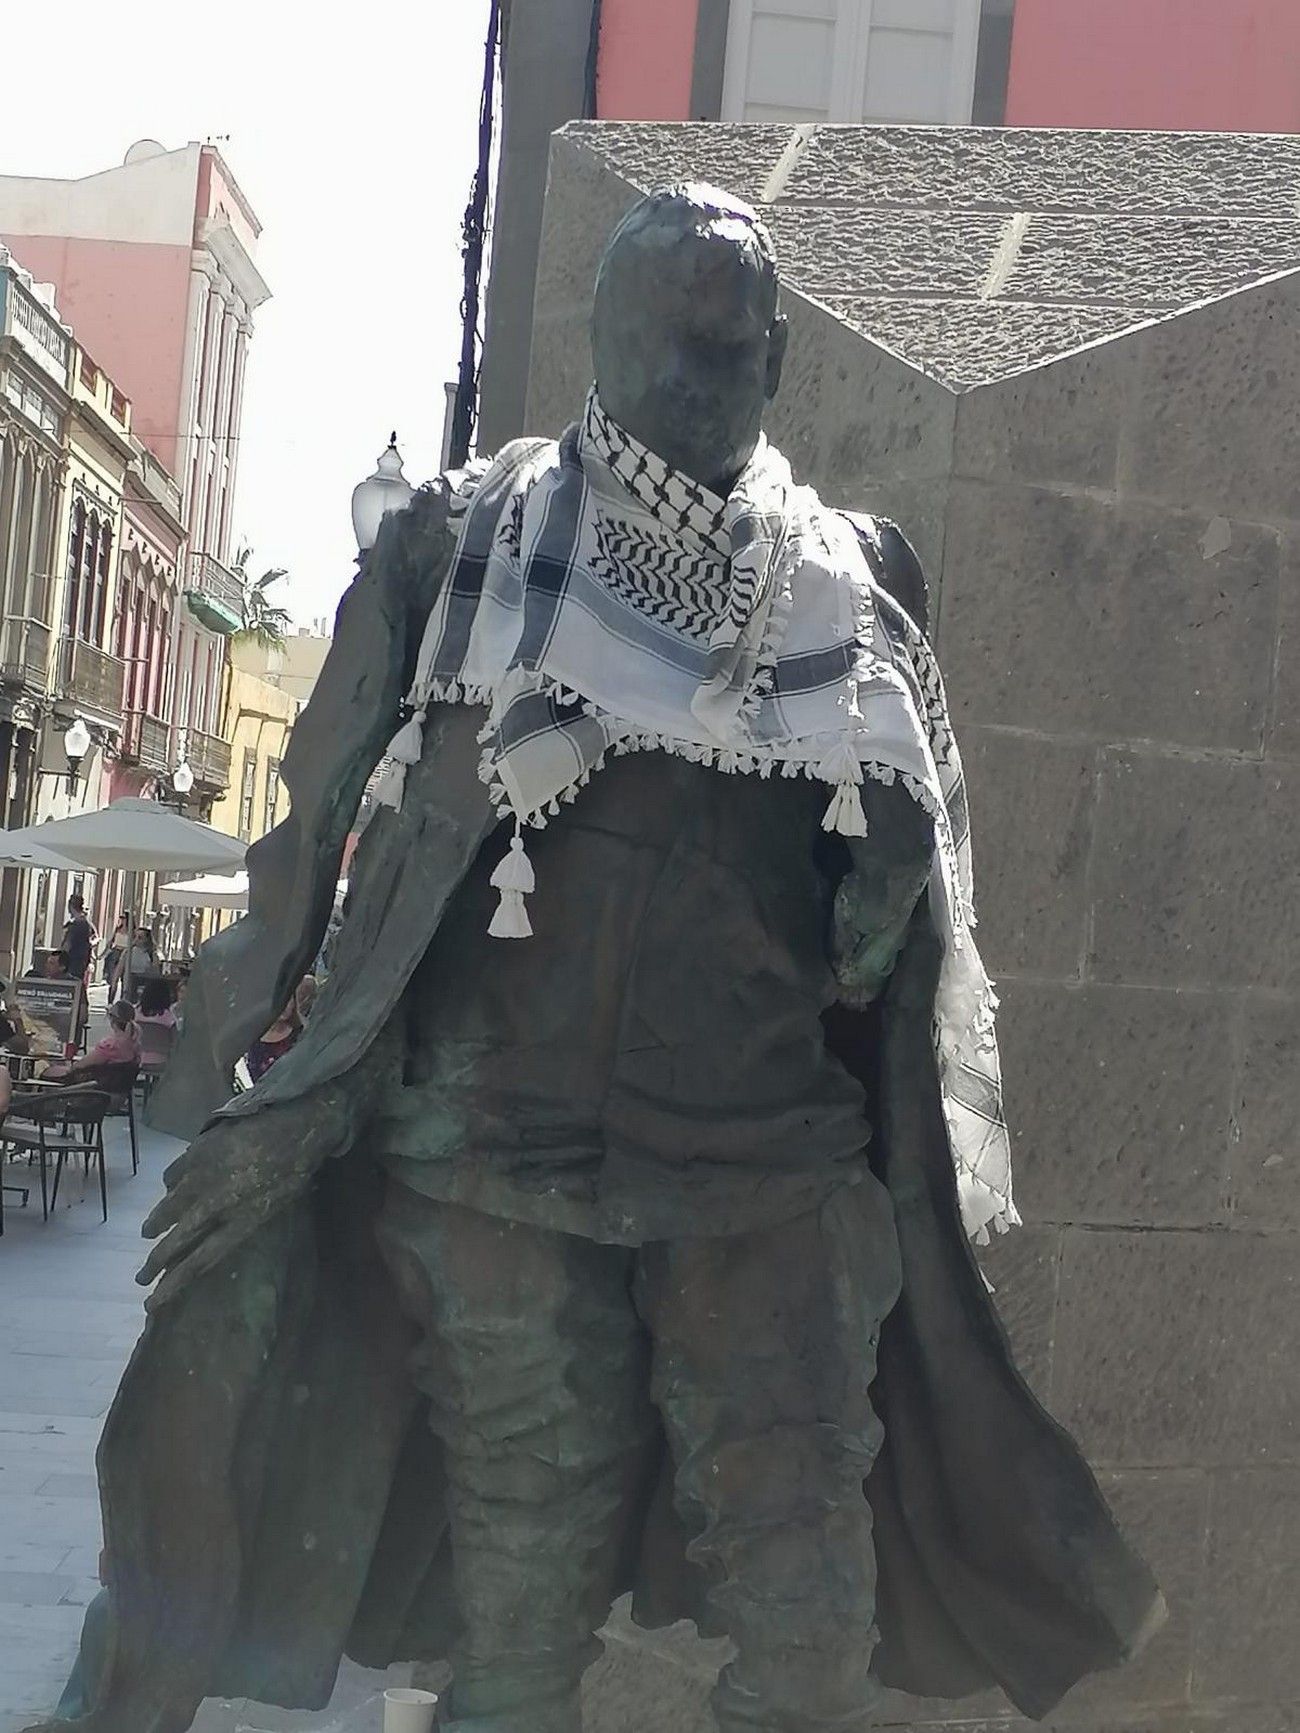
641,73
1166,65
155,262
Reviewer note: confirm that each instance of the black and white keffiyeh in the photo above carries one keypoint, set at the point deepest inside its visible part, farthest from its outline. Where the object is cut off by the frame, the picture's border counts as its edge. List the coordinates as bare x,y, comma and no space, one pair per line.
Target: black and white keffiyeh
599,601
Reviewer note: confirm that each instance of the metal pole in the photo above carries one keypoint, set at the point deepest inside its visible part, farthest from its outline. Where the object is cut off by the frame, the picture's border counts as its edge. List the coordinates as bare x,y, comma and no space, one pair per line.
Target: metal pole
473,243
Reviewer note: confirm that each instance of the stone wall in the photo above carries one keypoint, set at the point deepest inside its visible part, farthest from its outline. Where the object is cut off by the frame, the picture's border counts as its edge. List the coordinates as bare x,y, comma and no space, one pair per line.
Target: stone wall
1113,540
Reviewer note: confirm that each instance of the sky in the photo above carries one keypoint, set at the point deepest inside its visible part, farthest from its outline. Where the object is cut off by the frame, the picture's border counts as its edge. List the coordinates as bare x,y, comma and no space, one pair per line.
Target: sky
352,131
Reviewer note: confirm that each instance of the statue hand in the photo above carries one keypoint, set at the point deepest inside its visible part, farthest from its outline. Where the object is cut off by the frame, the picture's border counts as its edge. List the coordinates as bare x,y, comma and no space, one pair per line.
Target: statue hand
232,1178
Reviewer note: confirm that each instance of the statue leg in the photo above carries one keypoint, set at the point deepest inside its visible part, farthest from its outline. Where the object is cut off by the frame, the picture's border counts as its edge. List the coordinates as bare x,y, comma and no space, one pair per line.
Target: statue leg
764,1345
536,1369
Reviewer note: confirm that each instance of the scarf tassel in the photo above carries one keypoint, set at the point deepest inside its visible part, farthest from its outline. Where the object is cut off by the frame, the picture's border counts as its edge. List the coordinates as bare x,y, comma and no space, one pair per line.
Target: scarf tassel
514,878
408,743
845,814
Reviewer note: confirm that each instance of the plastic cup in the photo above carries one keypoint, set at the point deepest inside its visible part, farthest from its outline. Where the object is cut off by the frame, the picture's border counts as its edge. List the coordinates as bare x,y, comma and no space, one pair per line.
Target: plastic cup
409,1711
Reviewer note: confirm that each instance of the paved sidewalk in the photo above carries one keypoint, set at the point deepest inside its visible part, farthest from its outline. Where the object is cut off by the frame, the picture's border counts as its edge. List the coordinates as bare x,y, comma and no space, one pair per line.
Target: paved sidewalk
71,1313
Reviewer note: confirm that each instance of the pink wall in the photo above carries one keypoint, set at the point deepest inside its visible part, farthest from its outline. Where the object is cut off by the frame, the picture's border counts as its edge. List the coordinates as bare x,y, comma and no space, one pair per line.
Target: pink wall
1177,65
220,196
126,301
647,54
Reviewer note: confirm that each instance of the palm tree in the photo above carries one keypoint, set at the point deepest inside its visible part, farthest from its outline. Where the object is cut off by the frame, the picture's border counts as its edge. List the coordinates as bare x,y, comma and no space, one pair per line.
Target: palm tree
264,622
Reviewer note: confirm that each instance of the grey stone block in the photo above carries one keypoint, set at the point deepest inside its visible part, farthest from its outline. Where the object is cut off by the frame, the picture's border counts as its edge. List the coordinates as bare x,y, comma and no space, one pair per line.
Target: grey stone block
1024,1268
1164,1517
1074,614
1196,873
798,421
1216,418
904,232
1265,1168
882,419
1120,1103
585,198
825,251
1049,424
560,373
1283,740
1178,1349
1031,803
737,158
1031,169
1249,1611
967,344
1152,263
584,202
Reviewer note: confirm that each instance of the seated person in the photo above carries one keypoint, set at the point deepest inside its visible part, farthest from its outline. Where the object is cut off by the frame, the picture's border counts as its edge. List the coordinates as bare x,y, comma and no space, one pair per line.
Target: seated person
182,987
275,1043
156,1004
56,967
121,1046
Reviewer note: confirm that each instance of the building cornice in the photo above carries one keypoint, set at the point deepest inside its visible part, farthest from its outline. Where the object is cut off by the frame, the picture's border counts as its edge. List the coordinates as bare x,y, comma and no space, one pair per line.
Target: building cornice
228,250
91,416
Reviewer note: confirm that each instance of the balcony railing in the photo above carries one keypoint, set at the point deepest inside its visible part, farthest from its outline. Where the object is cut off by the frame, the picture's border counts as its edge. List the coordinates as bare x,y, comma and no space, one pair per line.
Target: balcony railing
215,593
209,758
92,680
147,742
25,654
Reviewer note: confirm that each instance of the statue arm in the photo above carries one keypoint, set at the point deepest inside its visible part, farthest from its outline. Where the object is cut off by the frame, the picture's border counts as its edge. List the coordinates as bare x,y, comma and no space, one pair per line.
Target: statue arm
244,975
889,869
875,900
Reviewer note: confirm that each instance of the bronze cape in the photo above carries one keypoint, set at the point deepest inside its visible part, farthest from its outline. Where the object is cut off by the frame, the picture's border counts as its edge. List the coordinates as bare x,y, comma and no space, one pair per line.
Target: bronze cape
271,1490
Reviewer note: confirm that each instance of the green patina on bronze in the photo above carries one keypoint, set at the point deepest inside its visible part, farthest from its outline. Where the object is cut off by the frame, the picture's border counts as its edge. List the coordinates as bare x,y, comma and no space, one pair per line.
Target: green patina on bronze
411,1414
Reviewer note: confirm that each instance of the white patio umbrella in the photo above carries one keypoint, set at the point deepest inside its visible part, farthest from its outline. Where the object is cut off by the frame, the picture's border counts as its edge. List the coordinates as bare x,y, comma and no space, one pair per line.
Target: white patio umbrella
38,859
208,891
131,836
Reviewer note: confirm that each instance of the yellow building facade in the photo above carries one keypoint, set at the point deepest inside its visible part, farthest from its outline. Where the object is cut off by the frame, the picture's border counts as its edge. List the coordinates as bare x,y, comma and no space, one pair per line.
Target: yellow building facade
258,720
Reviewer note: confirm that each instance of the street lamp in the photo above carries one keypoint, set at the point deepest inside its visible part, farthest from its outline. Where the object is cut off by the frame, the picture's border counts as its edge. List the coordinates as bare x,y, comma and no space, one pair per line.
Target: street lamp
182,779
385,491
76,744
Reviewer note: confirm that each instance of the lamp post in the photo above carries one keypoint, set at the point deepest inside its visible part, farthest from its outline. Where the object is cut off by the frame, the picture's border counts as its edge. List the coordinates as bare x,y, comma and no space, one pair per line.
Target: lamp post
384,491
182,783
76,744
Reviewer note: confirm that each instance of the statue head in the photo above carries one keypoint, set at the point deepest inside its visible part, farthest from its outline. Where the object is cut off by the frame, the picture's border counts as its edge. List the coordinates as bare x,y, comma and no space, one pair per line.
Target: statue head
686,335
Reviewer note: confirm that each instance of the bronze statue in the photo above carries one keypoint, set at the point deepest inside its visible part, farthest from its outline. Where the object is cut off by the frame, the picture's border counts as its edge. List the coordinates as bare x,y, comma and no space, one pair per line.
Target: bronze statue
607,1229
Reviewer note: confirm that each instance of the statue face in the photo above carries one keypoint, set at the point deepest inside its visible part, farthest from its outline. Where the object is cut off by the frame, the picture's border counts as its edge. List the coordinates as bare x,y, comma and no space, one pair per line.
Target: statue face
687,342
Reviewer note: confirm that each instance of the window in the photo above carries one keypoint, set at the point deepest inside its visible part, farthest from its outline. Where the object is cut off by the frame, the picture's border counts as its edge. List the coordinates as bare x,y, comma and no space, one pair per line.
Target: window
851,60
272,795
159,660
247,792
104,554
76,555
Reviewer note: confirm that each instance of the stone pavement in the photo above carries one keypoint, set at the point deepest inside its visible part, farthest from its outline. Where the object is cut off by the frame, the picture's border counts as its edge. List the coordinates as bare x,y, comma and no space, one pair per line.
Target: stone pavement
71,1313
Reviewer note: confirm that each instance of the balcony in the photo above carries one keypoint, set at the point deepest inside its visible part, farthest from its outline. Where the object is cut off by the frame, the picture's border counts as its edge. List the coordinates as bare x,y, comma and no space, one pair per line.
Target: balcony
91,681
214,593
209,758
25,655
147,742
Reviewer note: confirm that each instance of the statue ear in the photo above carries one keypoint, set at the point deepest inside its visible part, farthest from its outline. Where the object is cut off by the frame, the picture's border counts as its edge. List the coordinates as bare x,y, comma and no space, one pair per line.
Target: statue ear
777,339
